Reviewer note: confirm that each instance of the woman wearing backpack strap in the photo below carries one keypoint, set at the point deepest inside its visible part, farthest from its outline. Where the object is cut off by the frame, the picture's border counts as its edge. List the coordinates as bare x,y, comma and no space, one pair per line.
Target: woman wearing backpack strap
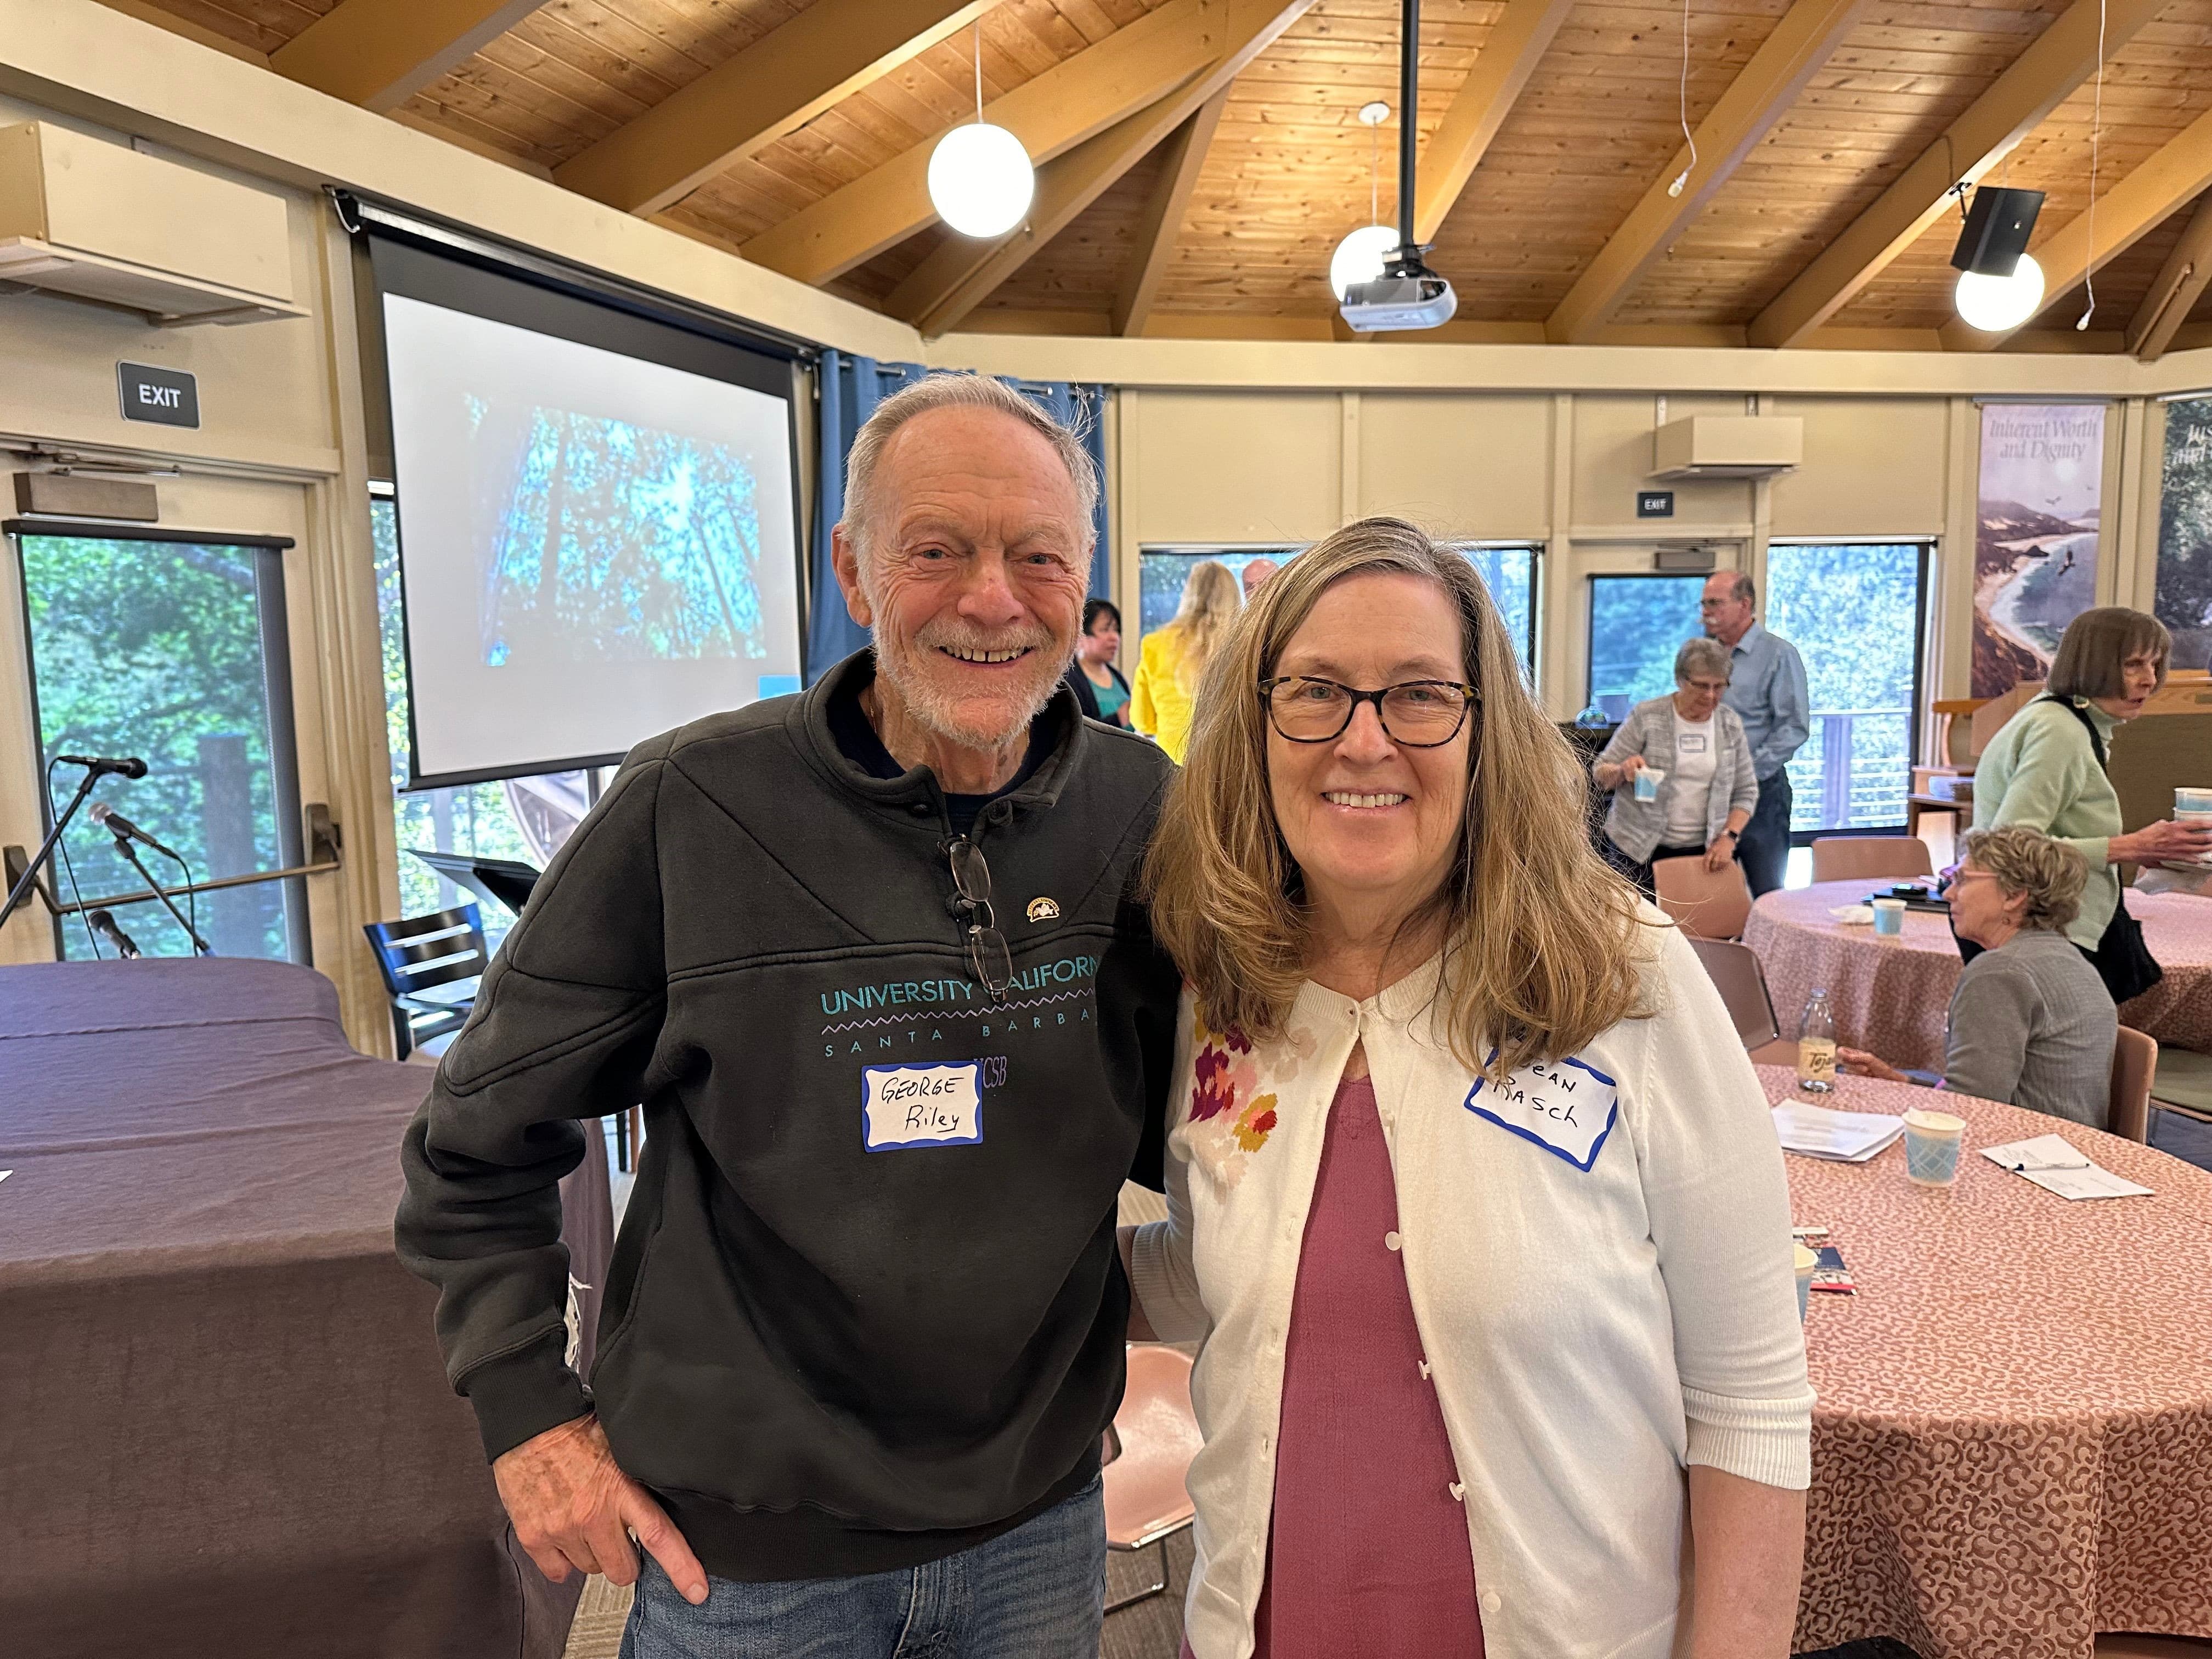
2046,770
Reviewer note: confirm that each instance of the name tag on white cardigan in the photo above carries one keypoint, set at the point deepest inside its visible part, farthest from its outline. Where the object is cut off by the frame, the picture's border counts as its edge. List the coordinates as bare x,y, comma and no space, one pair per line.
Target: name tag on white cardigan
907,1106
1566,1107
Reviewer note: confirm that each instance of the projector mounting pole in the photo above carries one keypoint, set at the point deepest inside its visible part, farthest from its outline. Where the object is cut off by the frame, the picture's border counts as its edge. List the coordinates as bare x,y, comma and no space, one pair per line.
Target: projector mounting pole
1409,105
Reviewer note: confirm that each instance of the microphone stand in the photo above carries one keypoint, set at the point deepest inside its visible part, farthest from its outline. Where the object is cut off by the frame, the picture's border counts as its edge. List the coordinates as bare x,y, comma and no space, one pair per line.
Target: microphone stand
23,889
200,947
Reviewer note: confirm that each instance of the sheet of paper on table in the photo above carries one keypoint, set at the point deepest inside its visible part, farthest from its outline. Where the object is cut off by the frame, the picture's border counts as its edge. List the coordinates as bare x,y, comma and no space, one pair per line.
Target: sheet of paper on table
1839,1137
2044,1152
2055,1164
5,1174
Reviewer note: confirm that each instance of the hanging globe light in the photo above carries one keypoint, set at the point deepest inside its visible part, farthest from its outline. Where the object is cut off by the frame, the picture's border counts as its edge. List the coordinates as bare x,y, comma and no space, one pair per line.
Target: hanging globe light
980,179
1359,258
1995,304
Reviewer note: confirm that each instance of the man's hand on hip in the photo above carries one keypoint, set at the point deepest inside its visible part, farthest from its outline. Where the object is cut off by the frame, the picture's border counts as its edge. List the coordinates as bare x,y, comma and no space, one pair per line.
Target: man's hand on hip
572,1506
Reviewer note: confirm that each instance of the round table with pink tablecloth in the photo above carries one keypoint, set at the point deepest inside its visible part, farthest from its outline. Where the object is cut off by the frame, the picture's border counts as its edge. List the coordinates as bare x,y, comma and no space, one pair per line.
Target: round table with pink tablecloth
2012,1449
1893,995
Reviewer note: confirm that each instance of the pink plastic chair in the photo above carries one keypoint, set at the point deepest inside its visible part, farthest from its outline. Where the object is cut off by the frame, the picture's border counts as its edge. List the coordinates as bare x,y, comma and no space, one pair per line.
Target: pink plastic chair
1148,1452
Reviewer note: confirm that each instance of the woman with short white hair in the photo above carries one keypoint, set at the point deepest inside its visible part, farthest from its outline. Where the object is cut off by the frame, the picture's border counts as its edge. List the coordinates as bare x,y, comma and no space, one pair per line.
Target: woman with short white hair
1694,744
1473,1201
2031,1022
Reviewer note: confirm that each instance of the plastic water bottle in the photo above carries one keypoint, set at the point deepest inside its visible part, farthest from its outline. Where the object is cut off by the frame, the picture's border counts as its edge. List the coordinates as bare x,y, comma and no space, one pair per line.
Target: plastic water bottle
1816,1046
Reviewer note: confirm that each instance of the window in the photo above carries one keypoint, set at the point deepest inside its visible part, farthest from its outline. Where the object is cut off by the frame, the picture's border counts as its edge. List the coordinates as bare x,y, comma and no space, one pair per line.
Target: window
522,818
1636,625
174,650
1162,572
1507,569
1855,611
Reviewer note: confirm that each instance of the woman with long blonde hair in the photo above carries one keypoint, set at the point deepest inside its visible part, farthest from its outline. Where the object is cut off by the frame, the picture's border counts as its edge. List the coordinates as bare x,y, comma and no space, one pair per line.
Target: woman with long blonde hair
1474,1204
1174,657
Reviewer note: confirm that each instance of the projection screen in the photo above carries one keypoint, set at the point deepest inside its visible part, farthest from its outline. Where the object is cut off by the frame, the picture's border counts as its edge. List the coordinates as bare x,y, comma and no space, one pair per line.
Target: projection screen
597,519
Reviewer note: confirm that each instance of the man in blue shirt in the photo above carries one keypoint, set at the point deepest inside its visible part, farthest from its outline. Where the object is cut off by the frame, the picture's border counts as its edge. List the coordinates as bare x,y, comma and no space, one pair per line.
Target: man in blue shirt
1767,689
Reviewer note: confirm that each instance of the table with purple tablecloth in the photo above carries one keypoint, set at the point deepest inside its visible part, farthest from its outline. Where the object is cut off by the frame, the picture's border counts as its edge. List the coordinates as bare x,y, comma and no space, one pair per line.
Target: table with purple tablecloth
1893,995
228,1429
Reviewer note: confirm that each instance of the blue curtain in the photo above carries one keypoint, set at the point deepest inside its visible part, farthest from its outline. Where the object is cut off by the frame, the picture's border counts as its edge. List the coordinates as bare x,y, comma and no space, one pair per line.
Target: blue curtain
850,389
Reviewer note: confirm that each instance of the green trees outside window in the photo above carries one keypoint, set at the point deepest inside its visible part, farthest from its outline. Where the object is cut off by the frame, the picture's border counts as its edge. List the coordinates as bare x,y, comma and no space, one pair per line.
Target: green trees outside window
168,650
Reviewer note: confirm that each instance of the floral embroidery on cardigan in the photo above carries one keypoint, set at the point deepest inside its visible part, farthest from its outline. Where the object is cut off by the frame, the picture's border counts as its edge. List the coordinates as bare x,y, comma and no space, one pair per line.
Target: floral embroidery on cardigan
1228,1114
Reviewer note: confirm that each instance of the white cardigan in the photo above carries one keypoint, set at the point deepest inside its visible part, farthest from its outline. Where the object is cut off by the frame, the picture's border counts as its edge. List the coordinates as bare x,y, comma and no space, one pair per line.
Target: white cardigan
1590,1331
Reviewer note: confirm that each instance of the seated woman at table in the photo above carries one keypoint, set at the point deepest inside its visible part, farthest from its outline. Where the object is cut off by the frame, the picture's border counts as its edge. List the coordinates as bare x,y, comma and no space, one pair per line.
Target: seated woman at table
2045,768
2031,1024
1472,1198
1694,743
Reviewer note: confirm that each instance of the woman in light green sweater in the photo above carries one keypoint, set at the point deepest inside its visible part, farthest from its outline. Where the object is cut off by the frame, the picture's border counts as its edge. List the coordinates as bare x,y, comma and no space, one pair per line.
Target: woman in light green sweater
2046,770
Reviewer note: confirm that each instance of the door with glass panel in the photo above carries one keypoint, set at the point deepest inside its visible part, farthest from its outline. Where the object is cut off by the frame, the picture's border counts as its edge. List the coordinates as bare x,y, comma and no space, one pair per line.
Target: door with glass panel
172,646
1857,613
1638,622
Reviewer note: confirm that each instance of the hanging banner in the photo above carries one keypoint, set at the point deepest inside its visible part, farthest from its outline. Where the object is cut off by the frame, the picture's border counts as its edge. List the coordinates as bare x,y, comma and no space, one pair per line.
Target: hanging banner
2035,542
2184,601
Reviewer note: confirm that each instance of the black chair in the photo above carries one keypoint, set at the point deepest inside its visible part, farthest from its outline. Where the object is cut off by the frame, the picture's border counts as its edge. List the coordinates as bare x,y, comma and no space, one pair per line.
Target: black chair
430,965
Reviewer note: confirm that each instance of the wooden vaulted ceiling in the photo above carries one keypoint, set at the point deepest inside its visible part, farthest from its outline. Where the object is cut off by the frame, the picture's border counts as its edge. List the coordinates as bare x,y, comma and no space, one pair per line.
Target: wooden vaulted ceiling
1200,159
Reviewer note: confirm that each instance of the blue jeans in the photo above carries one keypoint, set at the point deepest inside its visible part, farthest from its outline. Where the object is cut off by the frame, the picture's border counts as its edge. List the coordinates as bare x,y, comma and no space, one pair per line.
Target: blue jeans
1038,1592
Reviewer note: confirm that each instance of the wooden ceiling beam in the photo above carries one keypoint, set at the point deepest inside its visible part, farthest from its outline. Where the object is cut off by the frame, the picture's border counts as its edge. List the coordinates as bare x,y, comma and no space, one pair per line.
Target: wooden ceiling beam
162,18
2181,282
1509,53
1051,113
774,87
961,274
1758,97
2168,181
379,53
2059,60
1163,219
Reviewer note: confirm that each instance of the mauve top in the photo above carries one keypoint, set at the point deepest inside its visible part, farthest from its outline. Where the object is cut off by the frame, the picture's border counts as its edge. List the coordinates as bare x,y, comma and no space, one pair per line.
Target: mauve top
1368,1555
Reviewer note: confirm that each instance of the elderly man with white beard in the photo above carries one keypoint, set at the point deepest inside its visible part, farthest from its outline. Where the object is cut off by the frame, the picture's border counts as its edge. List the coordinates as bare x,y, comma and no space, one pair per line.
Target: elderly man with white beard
873,959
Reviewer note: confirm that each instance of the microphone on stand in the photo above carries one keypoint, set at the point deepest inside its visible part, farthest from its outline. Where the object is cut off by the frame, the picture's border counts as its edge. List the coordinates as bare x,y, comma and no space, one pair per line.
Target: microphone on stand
103,923
118,826
128,767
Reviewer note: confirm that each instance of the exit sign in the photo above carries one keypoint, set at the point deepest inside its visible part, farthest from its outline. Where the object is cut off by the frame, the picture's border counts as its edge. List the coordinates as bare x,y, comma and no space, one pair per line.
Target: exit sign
167,397
1655,503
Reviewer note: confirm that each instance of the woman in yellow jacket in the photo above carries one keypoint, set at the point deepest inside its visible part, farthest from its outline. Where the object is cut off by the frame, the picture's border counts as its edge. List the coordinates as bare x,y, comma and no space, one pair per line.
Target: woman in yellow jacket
1174,659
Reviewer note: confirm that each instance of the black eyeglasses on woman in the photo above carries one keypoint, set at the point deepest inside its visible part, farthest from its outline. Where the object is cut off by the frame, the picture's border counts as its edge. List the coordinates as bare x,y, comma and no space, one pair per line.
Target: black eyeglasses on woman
1419,714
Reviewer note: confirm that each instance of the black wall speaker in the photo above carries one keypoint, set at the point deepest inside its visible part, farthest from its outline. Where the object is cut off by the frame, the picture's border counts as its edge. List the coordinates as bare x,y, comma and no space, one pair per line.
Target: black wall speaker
1994,235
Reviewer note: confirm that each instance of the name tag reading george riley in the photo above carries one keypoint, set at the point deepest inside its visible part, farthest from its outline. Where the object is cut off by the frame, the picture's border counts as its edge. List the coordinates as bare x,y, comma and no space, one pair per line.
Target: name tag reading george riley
1565,1106
903,1107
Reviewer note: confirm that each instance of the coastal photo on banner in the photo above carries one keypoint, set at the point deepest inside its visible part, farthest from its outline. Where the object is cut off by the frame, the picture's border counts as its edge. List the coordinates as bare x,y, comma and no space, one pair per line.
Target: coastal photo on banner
2184,533
2035,541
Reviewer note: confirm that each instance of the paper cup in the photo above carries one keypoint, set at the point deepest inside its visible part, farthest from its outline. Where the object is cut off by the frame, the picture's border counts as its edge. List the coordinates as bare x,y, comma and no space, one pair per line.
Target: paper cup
2194,815
1889,915
1932,1144
1647,784
1806,1262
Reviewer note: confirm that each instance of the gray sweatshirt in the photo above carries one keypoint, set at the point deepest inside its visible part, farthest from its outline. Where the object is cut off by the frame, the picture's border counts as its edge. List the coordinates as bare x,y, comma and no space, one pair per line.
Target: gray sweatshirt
2031,1024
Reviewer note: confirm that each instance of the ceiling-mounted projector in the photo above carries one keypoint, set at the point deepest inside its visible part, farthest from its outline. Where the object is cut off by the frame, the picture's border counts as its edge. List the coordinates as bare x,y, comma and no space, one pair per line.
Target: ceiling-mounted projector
1399,302
1408,295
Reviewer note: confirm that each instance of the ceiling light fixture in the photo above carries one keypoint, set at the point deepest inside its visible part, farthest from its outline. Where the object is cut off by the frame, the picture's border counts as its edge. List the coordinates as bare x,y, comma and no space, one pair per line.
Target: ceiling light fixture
1359,258
981,178
2000,287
